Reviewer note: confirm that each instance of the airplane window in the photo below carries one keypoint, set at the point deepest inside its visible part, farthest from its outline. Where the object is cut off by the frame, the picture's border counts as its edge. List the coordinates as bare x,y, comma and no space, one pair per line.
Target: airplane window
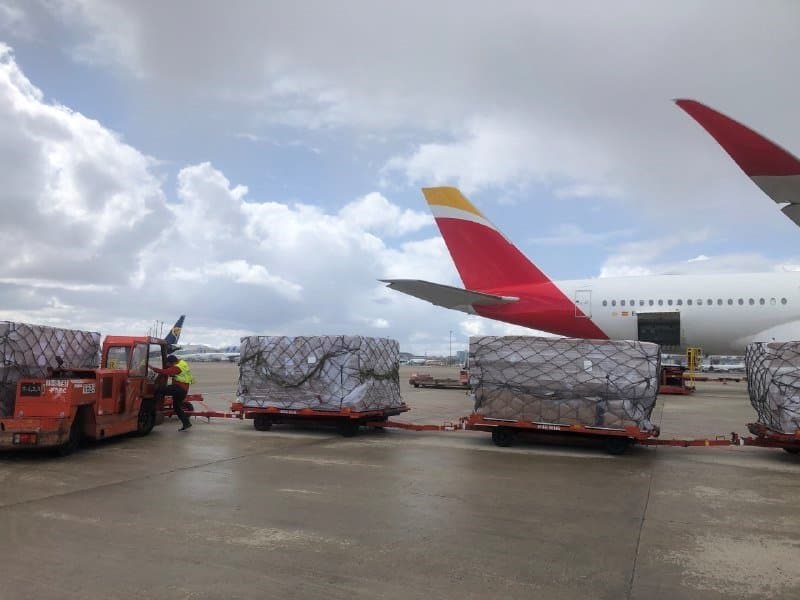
719,301
699,302
689,302
661,303
613,303
633,303
669,302
751,302
741,301
680,302
783,300
650,302
709,301
730,301
761,301
772,301
641,302
622,302
605,302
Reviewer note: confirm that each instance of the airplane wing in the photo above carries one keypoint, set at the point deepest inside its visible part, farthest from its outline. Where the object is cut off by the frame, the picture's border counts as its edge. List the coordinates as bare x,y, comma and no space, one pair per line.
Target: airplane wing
446,295
773,169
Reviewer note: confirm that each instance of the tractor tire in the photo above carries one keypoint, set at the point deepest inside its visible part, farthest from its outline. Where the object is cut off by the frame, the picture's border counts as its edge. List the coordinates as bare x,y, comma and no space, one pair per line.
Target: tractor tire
792,450
262,423
348,427
74,439
146,420
503,437
617,444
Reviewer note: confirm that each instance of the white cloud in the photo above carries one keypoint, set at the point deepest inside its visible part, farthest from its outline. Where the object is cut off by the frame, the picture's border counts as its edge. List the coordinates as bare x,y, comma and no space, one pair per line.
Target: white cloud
571,234
504,151
374,212
79,205
646,257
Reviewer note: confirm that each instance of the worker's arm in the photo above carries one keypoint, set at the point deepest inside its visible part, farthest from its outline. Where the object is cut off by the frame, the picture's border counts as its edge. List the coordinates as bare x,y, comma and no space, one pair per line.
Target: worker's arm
171,371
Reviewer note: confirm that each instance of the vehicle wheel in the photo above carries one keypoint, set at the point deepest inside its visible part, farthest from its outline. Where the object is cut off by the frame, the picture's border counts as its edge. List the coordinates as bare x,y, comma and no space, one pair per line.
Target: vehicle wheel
792,450
416,385
262,423
348,428
74,439
503,436
617,445
146,420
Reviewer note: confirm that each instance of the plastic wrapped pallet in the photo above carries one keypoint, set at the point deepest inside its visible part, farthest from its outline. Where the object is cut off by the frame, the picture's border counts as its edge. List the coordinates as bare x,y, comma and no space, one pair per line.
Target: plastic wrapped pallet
323,372
773,382
565,381
28,350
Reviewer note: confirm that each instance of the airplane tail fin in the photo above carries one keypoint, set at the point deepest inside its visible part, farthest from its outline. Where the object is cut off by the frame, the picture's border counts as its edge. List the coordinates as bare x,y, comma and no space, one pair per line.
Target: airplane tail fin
485,259
175,333
773,169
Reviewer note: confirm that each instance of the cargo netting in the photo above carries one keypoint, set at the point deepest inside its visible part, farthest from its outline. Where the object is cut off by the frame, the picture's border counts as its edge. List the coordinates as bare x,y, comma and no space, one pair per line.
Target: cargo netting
773,383
598,383
29,350
319,372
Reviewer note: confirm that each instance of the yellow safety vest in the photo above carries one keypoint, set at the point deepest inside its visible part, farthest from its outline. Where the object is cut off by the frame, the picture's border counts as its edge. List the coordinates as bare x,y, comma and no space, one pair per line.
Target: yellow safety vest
185,376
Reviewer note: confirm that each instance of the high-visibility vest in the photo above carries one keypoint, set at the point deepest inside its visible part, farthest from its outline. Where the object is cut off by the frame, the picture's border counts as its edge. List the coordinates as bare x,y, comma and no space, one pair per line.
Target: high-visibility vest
185,376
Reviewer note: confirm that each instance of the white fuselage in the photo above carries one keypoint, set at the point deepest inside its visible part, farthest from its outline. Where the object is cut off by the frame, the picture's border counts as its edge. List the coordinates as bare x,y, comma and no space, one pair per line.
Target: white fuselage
719,313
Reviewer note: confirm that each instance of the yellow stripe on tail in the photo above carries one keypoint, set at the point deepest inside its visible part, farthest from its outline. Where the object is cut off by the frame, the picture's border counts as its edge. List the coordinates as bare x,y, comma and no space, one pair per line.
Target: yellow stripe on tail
449,196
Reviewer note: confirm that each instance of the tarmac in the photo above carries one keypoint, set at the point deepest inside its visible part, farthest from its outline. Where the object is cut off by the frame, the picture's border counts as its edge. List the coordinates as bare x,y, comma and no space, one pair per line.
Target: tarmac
224,511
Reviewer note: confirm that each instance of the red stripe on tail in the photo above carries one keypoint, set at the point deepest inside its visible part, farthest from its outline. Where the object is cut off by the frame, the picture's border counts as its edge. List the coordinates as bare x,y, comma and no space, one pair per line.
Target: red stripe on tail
484,258
754,153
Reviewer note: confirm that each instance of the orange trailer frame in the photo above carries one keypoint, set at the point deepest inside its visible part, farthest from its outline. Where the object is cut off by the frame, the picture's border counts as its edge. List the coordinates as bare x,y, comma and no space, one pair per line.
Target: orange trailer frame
347,421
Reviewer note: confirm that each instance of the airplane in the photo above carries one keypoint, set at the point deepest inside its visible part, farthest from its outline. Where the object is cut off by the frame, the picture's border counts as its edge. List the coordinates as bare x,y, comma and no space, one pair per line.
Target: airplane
719,313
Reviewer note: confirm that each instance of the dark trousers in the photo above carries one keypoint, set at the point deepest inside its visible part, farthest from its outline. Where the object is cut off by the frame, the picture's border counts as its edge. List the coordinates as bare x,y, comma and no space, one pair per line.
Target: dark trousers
178,396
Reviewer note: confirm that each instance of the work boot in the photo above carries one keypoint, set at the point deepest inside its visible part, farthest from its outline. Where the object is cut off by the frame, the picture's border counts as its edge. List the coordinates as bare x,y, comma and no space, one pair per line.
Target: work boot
186,424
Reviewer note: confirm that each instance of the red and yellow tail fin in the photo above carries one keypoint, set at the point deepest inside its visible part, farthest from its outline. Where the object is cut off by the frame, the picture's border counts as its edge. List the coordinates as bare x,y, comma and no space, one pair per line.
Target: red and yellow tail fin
485,259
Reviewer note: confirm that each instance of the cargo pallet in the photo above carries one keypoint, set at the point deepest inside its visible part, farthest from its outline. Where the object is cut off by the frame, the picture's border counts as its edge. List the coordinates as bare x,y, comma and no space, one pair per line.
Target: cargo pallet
347,421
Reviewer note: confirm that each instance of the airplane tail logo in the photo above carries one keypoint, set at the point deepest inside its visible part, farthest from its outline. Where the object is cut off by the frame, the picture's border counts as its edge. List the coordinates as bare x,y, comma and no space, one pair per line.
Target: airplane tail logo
175,333
485,259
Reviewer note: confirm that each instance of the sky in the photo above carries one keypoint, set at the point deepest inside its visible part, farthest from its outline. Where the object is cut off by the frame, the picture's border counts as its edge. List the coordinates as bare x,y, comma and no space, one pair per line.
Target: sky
257,165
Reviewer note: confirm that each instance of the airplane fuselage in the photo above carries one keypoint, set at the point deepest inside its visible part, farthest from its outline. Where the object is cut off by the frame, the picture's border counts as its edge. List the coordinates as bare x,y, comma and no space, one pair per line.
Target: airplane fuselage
719,313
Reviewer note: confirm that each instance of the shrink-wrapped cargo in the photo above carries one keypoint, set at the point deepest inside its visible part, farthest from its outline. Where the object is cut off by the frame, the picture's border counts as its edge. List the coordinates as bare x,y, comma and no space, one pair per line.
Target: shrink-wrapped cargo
600,383
773,383
28,351
319,372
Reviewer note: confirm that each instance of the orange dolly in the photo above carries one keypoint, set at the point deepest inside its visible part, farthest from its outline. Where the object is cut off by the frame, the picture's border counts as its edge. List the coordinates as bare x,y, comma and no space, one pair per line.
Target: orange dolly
767,438
347,421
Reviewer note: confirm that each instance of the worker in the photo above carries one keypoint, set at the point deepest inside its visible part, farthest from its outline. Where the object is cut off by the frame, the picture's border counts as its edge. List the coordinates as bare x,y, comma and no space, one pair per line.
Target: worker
182,378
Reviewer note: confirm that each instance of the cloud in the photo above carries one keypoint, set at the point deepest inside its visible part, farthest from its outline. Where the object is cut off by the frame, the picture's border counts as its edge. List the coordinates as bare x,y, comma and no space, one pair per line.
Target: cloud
90,239
514,95
79,205
571,234
374,212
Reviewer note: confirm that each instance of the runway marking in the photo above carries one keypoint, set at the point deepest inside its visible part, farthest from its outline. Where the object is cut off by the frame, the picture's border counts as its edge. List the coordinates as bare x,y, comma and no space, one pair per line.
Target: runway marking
292,491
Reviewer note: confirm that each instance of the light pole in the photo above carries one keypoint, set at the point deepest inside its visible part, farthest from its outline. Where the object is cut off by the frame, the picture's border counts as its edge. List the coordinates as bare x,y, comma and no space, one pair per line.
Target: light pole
450,355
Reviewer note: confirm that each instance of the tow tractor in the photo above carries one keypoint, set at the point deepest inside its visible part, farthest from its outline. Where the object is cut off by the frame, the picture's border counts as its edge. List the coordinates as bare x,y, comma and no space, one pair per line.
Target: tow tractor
69,405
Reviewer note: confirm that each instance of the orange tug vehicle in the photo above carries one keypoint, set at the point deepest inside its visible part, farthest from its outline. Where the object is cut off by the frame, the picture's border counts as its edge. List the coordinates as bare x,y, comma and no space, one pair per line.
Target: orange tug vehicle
75,404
